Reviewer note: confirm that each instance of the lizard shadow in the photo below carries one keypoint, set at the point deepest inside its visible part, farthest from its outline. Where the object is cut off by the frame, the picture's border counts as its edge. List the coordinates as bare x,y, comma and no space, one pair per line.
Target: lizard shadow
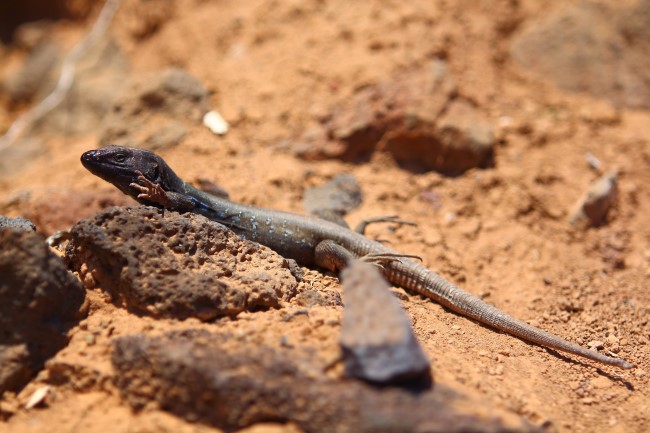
567,359
599,371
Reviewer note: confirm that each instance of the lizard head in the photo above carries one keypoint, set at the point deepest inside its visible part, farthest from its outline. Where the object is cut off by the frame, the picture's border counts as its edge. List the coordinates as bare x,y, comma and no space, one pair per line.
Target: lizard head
120,166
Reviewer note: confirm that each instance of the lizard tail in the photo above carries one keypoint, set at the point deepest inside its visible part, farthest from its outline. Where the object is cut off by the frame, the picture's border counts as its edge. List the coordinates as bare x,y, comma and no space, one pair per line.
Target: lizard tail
426,282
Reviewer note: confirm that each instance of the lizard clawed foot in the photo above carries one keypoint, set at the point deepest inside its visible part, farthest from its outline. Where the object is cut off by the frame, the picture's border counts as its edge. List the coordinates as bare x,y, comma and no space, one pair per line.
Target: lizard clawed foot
381,259
361,227
150,191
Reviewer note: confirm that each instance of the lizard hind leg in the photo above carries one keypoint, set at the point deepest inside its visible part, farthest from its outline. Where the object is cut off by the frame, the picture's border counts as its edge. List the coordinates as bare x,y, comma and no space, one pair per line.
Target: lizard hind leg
332,256
380,259
335,257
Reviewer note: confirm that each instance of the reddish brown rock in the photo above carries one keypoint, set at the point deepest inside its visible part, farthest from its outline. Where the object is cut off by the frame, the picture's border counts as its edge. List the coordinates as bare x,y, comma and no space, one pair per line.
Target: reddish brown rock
461,139
52,209
197,376
415,116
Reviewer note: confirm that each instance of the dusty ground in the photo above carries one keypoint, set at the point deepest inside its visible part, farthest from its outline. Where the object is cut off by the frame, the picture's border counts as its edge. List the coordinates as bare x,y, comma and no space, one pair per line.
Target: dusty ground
274,69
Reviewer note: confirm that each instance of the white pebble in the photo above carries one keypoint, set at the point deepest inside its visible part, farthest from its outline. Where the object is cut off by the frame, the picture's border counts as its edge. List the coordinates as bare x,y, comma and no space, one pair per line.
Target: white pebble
215,122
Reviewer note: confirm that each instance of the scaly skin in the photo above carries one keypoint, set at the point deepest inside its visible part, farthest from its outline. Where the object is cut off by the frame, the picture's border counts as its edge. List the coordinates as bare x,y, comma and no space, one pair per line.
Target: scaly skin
309,240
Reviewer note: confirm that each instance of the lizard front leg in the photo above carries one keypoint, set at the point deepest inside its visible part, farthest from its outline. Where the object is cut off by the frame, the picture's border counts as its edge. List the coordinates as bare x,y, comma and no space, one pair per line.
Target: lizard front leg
154,193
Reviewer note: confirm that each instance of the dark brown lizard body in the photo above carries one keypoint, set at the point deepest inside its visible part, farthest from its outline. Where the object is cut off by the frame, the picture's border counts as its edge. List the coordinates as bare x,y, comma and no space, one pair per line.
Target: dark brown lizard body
309,240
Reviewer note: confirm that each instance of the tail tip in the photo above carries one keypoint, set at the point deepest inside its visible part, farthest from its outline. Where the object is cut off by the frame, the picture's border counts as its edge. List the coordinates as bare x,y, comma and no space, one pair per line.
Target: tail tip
624,364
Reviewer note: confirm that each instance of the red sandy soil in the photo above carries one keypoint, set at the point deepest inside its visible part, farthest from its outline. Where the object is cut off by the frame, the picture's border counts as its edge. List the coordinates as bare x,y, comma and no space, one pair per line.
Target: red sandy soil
273,69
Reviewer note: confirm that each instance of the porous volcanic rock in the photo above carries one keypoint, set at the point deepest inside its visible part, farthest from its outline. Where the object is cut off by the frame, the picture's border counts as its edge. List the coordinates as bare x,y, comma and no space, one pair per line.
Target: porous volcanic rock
173,265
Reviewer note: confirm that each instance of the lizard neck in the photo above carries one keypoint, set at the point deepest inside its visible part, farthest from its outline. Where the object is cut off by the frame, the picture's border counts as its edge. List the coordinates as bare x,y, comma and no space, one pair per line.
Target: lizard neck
216,208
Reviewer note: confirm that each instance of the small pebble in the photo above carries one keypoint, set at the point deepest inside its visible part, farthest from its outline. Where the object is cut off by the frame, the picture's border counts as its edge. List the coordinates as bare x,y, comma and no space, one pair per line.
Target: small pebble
215,123
596,344
593,162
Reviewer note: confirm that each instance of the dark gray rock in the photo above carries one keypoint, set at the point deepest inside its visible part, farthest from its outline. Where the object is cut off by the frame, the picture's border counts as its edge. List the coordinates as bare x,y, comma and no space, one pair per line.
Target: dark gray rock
39,300
209,186
376,336
35,74
18,224
149,103
167,136
333,199
174,91
594,205
99,78
207,378
176,265
18,366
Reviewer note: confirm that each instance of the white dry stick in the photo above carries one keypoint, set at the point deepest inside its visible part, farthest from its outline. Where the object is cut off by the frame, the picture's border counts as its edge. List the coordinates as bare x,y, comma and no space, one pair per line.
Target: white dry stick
66,78
37,397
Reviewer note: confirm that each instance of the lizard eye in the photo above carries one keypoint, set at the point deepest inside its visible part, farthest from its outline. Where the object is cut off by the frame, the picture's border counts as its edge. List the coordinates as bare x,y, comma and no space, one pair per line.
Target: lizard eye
120,157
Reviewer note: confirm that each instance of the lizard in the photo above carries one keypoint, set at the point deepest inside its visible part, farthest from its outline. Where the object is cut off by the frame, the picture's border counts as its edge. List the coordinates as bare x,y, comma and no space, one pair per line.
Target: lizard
309,240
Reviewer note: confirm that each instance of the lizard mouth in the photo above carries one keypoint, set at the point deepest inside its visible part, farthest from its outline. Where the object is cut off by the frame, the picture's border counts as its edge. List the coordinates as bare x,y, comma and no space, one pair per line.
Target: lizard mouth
118,175
93,162
89,160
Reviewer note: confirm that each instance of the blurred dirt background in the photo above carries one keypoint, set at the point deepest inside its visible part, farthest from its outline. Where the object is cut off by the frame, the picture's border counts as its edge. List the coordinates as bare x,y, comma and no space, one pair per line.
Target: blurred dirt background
528,102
